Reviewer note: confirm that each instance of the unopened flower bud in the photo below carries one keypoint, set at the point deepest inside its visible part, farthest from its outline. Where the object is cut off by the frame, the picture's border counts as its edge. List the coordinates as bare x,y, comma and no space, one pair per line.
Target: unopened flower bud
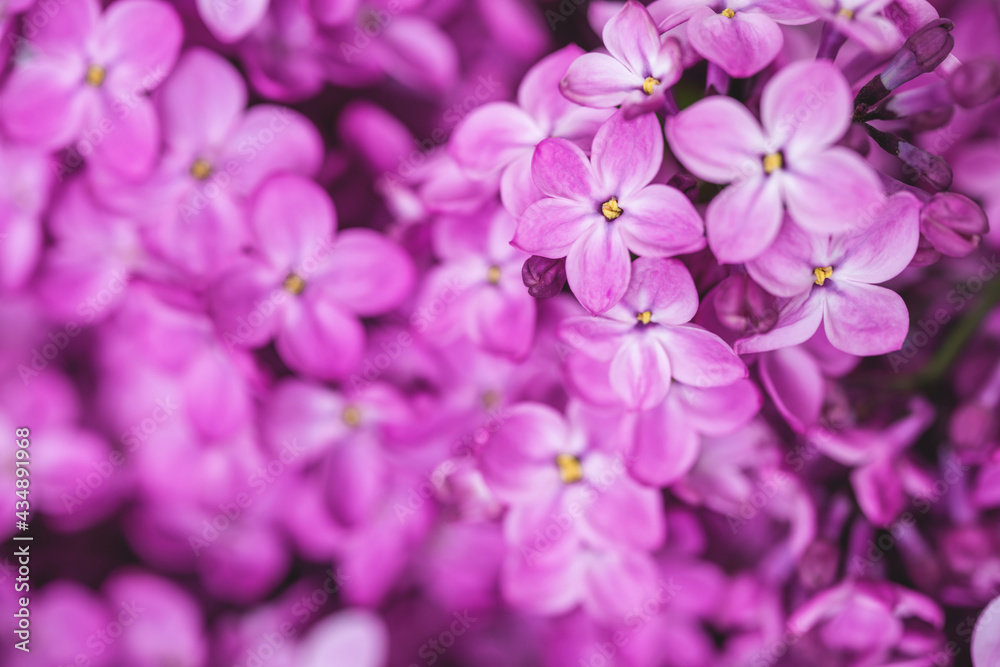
921,53
743,306
543,277
953,224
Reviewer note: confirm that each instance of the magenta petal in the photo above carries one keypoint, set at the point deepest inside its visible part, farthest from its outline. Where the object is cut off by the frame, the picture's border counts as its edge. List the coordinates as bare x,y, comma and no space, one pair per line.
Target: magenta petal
598,268
627,154
517,190
864,319
883,250
139,40
200,101
640,373
132,145
719,410
661,222
632,38
366,272
539,93
293,218
833,191
45,104
665,288
519,459
786,268
665,445
355,480
624,514
503,320
550,227
560,169
618,582
249,291
798,321
806,107
718,140
598,80
229,22
986,636
418,53
64,29
699,357
744,219
879,491
796,385
319,339
294,145
742,45
492,136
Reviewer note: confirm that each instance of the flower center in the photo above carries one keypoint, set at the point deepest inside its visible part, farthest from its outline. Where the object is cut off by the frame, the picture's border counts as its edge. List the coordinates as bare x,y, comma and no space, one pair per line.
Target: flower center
294,284
201,169
493,275
95,75
648,84
491,399
846,13
773,162
351,416
644,317
822,273
610,209
570,469
728,13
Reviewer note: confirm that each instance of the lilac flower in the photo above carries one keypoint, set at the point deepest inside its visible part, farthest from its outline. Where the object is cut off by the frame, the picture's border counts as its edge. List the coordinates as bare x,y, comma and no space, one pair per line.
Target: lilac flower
786,161
863,21
355,636
86,81
740,36
648,340
598,210
307,289
231,21
25,174
832,279
635,73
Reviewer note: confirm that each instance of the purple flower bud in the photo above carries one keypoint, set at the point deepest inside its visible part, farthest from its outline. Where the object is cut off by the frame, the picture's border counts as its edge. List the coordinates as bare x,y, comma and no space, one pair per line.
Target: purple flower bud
953,224
687,184
975,82
926,255
921,53
544,277
744,306
918,163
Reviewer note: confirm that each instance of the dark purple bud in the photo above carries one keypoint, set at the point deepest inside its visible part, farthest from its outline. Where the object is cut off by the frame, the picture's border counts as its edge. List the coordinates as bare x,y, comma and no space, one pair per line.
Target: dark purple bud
818,565
743,306
931,169
926,254
975,82
544,277
921,53
953,224
687,184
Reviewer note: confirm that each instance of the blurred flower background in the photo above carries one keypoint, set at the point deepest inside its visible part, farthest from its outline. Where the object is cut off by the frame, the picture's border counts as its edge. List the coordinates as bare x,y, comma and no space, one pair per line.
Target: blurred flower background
354,333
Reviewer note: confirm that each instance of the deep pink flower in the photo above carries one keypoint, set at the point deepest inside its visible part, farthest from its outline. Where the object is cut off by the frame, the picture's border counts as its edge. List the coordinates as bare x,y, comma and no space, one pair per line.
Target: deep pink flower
740,36
648,339
598,210
304,288
787,160
832,279
87,78
637,71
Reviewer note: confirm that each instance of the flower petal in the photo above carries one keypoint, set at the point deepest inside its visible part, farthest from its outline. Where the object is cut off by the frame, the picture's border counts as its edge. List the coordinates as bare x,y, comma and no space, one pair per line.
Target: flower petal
798,321
700,358
718,140
864,319
292,218
365,272
665,445
560,169
741,46
492,136
806,107
627,154
744,219
598,268
551,226
661,222
795,383
598,80
883,250
640,373
665,288
139,40
831,192
230,22
786,268
319,339
632,38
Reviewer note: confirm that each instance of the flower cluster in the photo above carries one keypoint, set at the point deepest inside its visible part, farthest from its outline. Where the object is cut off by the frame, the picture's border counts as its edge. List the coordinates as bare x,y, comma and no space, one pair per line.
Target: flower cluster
412,332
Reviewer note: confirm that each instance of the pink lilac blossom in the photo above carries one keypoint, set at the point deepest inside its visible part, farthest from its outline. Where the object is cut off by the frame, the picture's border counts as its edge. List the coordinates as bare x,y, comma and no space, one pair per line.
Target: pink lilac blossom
504,333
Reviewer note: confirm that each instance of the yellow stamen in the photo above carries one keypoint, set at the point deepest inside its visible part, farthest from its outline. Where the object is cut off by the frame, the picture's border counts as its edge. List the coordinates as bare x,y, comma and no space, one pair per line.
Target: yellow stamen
647,85
294,284
773,162
351,416
491,399
610,209
201,169
822,273
846,13
493,275
95,75
728,13
570,469
644,317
